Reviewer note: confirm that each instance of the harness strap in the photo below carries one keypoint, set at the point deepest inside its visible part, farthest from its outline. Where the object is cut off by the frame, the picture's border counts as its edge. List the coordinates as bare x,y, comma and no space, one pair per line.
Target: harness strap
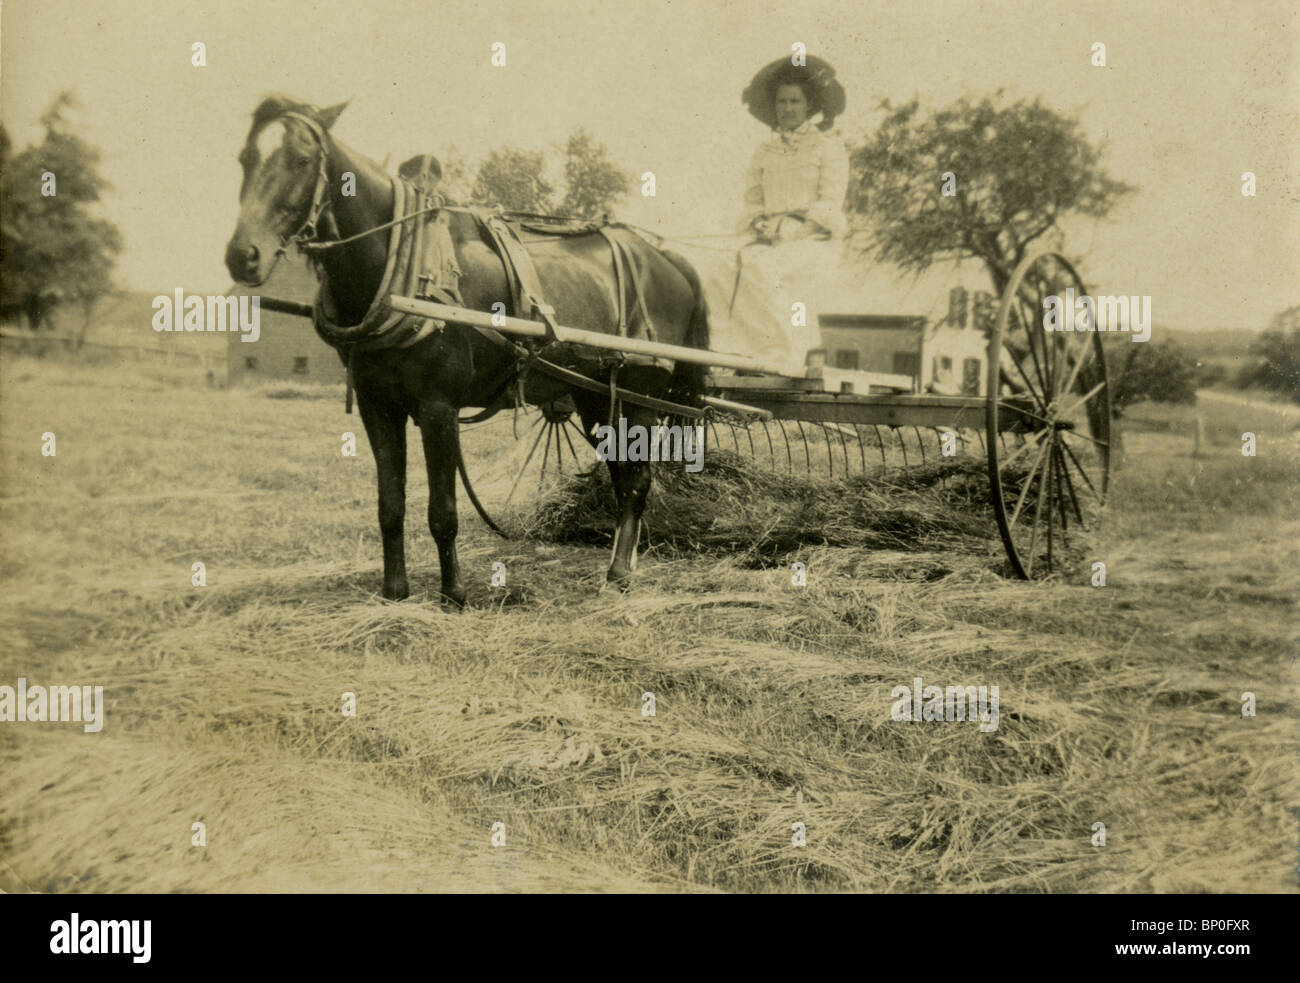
620,291
347,403
650,332
526,285
613,393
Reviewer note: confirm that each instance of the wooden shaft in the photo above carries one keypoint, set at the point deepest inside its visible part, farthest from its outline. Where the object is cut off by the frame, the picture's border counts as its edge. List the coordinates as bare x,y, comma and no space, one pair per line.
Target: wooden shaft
577,336
733,407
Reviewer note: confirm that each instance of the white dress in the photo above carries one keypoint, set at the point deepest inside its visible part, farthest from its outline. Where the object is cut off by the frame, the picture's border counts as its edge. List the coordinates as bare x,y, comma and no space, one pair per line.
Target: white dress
752,287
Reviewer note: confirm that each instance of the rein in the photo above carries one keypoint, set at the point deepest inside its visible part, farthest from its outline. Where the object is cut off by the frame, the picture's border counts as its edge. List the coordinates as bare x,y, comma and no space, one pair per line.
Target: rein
305,238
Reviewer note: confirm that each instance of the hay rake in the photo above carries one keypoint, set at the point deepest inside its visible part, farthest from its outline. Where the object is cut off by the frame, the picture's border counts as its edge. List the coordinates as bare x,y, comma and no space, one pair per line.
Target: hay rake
1042,423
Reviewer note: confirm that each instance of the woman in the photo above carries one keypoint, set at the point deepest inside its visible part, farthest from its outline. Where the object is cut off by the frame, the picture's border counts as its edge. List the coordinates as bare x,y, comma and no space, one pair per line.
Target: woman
792,222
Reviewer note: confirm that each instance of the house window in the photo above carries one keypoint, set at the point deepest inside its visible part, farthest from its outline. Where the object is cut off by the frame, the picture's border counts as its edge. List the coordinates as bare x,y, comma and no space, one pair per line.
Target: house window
945,363
970,377
250,363
846,358
300,365
907,363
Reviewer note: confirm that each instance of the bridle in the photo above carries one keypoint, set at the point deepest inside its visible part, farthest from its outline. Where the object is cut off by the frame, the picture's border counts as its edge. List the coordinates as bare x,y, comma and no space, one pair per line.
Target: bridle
320,200
305,238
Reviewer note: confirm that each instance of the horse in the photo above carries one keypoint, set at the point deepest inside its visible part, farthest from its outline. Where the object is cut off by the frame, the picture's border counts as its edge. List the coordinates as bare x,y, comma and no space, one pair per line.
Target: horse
292,193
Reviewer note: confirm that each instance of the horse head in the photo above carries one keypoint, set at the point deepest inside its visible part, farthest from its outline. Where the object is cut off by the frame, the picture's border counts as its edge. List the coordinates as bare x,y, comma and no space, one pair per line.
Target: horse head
286,185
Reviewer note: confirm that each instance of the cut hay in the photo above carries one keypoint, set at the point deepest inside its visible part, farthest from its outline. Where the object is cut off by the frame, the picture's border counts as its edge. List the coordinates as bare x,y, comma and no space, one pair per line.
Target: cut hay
736,505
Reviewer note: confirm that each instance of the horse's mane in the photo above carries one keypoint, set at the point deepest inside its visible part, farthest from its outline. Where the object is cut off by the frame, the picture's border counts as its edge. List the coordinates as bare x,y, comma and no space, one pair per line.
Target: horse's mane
276,104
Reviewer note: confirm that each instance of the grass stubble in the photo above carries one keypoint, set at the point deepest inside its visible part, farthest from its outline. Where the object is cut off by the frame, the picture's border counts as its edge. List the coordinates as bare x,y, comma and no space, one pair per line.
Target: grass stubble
1119,705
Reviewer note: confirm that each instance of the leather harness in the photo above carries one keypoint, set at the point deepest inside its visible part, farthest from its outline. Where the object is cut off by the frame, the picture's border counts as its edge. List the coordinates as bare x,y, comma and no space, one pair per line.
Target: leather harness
422,263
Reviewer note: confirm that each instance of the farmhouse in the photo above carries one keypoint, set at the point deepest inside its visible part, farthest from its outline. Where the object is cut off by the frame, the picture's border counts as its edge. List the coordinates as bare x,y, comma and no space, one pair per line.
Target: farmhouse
927,328
288,347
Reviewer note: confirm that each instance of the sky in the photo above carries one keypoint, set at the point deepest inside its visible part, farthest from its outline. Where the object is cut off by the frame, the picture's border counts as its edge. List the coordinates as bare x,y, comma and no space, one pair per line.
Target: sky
1194,94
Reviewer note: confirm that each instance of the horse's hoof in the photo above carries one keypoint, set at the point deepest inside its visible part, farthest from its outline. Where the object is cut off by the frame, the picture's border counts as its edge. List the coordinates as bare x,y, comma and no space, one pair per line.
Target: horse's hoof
623,584
455,600
397,595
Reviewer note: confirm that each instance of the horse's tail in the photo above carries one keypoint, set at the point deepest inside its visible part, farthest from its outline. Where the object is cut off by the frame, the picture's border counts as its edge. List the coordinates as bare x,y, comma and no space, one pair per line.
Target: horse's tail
688,378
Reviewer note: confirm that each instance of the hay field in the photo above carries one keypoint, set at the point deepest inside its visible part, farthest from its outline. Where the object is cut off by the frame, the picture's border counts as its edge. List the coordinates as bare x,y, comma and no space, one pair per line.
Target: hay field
1119,704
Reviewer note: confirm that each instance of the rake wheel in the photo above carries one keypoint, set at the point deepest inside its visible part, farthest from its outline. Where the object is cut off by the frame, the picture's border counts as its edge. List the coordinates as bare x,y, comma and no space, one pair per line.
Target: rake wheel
551,448
1051,388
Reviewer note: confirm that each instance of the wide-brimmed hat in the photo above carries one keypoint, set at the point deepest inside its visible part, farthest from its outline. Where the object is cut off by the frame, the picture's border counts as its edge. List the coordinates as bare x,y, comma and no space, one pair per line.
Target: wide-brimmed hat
828,94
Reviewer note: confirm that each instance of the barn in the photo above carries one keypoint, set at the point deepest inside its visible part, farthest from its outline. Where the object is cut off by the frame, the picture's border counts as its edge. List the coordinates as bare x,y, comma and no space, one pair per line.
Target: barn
289,347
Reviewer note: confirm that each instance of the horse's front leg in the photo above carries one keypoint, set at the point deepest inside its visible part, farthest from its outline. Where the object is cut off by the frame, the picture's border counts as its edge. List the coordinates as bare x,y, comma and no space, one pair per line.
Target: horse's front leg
441,448
632,488
386,427
631,481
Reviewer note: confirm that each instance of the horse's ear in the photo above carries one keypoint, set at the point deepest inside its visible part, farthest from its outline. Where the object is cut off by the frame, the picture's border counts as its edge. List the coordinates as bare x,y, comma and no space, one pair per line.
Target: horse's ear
329,117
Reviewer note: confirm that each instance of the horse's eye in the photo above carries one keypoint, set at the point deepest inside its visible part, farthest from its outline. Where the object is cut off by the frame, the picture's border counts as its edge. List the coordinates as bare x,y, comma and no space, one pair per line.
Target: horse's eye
301,161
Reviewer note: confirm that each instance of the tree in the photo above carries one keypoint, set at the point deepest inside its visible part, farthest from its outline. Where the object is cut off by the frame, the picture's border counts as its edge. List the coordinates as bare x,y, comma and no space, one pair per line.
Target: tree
515,180
593,182
1155,371
54,251
1277,351
1012,172
456,184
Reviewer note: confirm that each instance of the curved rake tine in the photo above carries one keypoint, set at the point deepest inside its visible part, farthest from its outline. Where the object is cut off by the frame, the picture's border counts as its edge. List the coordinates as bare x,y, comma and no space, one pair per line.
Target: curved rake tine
880,442
862,448
531,451
771,451
830,453
749,435
980,434
898,432
789,460
920,442
807,455
735,441
943,478
844,445
839,431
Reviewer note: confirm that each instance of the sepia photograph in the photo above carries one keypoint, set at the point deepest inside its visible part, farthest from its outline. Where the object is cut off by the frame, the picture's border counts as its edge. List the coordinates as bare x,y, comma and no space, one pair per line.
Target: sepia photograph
775,447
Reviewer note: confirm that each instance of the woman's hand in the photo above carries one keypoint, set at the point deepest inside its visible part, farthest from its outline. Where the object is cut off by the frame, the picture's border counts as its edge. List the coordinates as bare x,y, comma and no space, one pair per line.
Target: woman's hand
800,230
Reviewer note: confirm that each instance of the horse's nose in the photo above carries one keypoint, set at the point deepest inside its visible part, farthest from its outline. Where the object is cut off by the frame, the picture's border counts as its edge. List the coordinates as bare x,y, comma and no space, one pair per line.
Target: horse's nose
241,258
